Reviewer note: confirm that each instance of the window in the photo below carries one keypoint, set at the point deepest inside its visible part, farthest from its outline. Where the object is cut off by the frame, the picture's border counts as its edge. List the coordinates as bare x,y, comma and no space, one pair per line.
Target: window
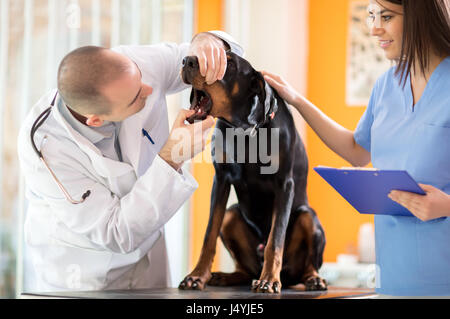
34,36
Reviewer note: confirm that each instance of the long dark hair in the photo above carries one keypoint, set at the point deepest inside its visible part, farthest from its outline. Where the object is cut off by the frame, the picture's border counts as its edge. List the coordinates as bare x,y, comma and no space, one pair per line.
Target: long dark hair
426,25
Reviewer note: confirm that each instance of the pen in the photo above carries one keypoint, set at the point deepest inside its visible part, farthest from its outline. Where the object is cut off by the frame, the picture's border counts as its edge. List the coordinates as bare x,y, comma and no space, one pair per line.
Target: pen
145,133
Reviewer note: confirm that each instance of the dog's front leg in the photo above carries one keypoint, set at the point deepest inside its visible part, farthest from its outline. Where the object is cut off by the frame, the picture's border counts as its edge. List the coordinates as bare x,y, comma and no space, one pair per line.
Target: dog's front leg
269,281
201,274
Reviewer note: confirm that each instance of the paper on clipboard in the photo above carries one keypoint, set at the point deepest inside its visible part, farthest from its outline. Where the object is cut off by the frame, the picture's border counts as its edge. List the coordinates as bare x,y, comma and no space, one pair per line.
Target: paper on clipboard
367,189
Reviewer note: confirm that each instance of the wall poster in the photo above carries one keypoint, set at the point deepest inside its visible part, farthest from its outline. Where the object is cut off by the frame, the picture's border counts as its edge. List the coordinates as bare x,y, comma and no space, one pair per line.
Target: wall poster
366,61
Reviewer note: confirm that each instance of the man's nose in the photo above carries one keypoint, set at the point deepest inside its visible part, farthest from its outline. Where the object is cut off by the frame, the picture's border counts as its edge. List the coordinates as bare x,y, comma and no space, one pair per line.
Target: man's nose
190,62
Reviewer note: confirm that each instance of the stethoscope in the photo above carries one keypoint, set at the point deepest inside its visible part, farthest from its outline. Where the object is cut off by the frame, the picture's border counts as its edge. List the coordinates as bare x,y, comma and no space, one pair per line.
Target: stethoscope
38,123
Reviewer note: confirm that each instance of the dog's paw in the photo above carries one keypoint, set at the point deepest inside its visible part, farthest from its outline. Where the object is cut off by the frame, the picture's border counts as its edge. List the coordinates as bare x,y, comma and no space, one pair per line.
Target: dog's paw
193,282
270,286
315,283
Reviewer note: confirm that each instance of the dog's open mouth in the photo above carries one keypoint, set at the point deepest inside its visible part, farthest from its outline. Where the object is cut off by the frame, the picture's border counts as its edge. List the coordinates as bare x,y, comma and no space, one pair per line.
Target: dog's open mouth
202,104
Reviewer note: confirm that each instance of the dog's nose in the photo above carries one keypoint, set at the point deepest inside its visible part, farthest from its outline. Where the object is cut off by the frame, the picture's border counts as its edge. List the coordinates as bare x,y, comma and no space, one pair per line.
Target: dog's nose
190,62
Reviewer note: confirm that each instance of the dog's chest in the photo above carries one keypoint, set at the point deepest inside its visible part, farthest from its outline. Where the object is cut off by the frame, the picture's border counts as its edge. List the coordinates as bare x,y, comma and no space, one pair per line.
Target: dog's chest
252,189
238,146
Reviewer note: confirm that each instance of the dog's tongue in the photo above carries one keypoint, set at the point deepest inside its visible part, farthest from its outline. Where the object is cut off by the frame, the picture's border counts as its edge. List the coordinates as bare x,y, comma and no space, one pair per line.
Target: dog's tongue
200,115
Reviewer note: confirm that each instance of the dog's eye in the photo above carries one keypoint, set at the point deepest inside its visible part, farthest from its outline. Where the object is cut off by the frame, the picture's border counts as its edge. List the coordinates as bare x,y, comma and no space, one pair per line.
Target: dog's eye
230,63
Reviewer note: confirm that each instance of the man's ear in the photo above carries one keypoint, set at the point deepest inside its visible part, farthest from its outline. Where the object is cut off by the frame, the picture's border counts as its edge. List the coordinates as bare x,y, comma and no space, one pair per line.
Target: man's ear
94,121
264,101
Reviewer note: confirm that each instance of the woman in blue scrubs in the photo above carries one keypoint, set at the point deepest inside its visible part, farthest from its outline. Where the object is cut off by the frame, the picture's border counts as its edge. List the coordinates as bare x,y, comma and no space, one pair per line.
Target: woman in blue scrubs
406,127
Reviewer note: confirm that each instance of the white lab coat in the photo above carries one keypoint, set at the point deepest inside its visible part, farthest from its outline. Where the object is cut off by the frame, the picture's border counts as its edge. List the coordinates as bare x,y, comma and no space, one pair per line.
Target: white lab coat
115,239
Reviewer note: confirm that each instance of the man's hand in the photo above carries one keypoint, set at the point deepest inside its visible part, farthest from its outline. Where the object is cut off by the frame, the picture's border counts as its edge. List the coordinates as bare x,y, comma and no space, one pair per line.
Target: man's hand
185,141
212,58
435,204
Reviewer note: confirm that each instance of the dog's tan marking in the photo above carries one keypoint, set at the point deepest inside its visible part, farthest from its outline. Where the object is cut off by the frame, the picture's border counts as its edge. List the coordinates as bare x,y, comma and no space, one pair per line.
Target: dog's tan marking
221,101
235,89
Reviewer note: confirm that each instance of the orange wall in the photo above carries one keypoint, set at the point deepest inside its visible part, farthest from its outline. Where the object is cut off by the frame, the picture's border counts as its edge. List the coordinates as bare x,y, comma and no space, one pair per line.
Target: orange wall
326,89
208,16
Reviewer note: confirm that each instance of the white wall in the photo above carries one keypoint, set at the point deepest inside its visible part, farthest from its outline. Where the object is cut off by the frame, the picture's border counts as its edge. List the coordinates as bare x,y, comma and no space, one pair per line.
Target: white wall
274,34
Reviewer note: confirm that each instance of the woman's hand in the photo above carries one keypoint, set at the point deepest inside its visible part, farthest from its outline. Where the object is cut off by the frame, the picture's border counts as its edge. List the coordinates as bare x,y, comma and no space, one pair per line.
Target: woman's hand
284,89
435,204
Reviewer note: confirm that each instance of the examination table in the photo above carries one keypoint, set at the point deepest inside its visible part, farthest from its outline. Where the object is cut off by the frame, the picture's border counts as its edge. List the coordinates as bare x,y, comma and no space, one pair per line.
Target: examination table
211,293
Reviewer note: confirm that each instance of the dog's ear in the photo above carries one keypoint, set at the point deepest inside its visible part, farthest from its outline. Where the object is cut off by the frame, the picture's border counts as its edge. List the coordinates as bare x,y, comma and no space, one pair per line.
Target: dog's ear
264,102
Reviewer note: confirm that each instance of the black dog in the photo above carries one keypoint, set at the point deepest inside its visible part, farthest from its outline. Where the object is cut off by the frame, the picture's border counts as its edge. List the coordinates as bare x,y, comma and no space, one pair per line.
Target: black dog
272,233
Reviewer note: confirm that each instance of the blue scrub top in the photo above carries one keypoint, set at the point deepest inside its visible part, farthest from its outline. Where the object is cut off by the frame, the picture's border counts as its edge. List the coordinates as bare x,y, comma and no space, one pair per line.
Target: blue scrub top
413,257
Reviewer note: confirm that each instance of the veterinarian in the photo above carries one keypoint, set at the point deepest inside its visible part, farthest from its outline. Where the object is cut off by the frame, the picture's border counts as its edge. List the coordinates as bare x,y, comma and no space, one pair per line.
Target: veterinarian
101,180
405,127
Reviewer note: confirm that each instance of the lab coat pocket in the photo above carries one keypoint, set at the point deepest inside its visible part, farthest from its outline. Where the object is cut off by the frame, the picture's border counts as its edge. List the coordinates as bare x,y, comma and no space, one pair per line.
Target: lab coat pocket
66,237
428,160
433,250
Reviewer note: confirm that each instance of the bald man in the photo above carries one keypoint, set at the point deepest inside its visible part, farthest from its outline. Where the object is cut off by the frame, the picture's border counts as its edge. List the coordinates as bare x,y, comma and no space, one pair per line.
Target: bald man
97,157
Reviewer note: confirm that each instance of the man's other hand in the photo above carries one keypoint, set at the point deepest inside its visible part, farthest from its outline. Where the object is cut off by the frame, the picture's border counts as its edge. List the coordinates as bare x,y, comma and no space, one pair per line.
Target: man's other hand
185,140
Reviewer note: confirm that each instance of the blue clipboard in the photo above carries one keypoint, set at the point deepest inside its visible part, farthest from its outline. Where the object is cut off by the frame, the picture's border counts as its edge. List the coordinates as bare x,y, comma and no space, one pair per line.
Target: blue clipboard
367,189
